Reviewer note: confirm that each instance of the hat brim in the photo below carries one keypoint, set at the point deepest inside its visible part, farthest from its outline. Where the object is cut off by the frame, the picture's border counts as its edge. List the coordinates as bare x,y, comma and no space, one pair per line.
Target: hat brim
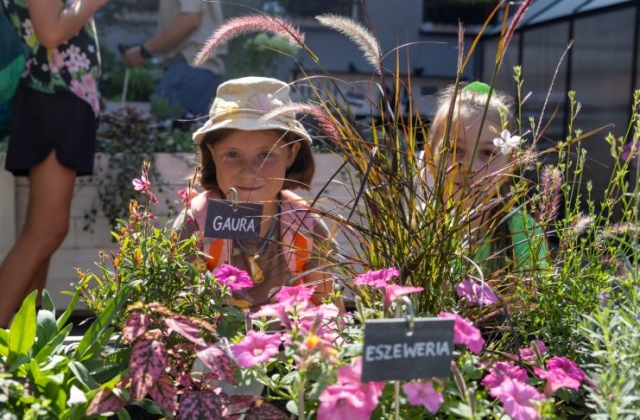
250,121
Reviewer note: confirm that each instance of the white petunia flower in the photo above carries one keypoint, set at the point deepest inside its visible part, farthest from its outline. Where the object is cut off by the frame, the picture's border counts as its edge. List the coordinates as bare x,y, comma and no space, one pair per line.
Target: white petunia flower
506,142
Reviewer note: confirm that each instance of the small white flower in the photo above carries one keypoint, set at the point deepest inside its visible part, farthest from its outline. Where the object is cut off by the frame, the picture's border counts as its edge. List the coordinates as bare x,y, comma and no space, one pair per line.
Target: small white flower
506,142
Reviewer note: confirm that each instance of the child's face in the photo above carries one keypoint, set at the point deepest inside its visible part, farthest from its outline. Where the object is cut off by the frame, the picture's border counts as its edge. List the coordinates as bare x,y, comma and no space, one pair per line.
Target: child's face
253,162
484,168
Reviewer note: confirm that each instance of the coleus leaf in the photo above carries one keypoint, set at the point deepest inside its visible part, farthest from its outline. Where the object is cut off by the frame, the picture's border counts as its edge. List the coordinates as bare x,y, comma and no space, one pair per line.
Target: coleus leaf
136,324
103,402
186,329
148,360
219,363
200,405
164,393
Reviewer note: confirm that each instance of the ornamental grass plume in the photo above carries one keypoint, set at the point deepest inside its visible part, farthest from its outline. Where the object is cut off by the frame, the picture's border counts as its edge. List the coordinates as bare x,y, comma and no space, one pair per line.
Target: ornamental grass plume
235,27
356,32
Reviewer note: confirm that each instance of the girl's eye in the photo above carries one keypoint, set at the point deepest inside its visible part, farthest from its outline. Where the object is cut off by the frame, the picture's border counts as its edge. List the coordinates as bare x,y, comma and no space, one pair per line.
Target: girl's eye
487,153
264,155
231,155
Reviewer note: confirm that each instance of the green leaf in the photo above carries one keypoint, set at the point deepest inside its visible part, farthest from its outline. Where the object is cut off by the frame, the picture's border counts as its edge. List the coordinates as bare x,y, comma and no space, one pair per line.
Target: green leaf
4,342
47,302
23,328
83,375
70,308
292,407
51,347
458,409
46,328
89,344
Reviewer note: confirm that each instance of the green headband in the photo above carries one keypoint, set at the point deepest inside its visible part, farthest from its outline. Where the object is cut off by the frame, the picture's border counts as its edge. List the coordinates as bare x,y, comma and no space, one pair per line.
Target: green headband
477,87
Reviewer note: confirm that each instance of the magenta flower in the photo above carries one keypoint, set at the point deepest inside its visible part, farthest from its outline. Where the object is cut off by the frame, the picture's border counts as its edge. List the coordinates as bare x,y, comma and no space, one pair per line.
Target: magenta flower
345,402
464,332
392,291
378,278
232,277
519,400
561,373
480,294
349,396
423,393
289,296
256,347
142,183
500,372
275,310
529,355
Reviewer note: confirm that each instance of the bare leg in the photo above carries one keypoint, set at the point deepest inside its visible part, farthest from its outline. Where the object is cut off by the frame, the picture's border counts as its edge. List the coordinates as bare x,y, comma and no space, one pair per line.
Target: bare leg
25,266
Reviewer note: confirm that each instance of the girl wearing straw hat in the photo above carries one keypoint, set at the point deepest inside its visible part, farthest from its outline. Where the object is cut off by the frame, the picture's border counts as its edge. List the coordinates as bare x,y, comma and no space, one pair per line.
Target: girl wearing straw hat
262,160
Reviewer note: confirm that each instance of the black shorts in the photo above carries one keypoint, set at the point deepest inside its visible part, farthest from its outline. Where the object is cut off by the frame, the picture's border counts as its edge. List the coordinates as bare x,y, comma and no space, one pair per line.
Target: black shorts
42,122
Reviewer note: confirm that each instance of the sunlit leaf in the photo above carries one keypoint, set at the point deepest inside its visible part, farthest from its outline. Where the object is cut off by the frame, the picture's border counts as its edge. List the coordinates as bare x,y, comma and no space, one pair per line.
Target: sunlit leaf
186,329
105,401
148,359
164,393
219,364
136,325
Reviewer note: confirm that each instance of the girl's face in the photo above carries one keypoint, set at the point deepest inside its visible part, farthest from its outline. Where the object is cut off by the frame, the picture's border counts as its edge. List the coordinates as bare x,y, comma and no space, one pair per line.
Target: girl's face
476,162
253,162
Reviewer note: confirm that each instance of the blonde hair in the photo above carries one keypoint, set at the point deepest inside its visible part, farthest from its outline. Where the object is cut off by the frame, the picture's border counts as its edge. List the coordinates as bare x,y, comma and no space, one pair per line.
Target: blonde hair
469,103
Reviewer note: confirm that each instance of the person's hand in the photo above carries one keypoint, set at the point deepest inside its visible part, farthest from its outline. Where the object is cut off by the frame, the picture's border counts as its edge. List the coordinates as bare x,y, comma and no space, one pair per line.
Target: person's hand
131,57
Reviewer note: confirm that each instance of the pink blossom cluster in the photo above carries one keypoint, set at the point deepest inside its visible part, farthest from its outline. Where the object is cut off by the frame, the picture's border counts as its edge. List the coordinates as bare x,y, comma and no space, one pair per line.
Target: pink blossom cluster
307,328
143,184
464,332
232,277
508,382
479,294
349,398
424,393
379,279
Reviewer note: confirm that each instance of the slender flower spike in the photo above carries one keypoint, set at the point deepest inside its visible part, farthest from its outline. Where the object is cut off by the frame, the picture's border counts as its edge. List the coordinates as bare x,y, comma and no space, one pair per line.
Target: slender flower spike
506,142
363,38
235,27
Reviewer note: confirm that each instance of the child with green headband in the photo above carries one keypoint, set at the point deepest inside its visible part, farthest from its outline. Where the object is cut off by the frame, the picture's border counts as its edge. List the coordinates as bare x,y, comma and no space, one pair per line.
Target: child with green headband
476,145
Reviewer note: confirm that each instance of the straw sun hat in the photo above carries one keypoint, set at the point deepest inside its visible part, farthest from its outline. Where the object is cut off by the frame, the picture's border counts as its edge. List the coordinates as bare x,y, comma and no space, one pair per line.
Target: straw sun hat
242,103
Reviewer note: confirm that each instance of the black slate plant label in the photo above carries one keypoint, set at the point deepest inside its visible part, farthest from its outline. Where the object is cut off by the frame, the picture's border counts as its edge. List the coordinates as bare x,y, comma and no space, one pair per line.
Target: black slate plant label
225,221
390,353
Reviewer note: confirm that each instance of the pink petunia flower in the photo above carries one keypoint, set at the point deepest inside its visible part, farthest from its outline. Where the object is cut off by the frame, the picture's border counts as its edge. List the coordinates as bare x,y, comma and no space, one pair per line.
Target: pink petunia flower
561,373
233,277
256,347
350,395
392,291
520,400
290,296
344,402
480,294
529,355
141,184
423,393
378,278
464,332
500,372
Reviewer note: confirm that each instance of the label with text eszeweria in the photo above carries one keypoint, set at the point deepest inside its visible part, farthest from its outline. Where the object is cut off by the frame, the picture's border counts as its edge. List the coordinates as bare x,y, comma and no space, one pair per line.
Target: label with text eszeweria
392,352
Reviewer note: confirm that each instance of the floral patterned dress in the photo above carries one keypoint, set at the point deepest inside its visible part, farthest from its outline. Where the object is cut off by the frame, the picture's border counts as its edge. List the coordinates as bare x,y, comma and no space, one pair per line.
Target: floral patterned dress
73,66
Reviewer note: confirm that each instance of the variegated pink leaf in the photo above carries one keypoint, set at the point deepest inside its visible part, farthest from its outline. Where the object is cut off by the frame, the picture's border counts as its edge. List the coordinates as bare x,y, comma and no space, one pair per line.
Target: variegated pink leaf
220,365
261,410
148,360
186,329
237,405
135,325
185,380
200,405
105,401
164,393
